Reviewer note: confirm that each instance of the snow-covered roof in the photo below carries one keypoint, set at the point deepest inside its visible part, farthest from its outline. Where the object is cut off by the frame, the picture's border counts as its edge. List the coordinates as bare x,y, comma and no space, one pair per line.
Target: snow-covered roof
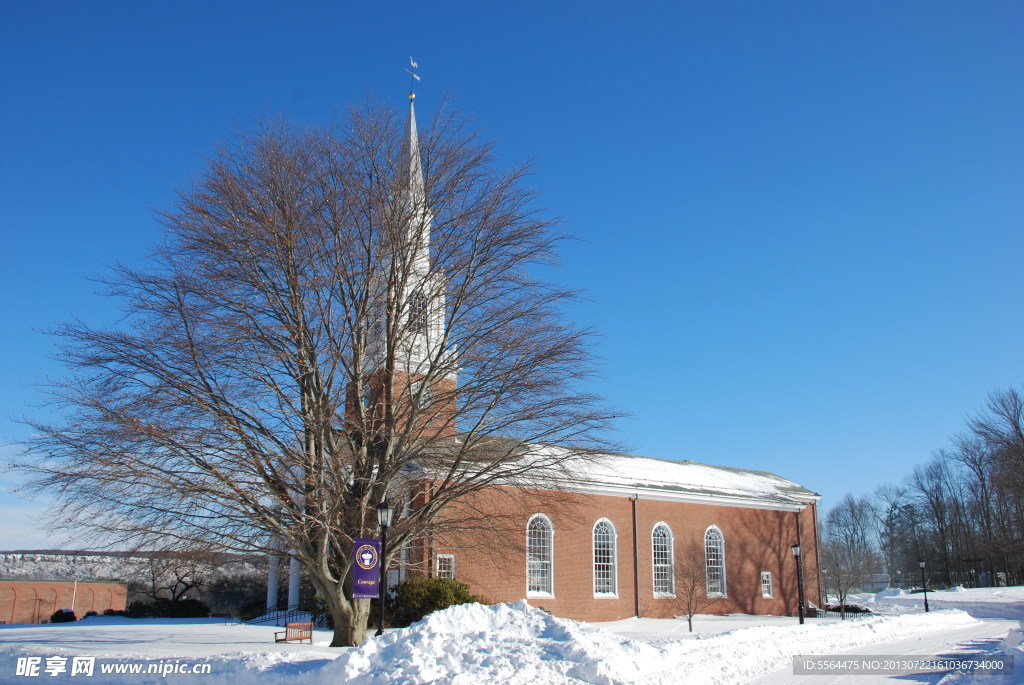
604,473
669,479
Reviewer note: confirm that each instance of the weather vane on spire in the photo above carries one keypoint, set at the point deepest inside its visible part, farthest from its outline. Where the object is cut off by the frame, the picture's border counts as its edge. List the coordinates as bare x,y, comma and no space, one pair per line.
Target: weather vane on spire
414,79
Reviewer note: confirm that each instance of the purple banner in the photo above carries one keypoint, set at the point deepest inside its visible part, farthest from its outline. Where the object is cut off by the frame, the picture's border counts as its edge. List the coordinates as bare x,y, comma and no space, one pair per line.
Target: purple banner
367,569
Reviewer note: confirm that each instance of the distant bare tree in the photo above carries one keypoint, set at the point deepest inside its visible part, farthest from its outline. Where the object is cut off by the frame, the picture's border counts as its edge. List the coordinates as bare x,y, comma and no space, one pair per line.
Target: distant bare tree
849,552
999,433
962,511
173,574
890,502
929,485
691,577
1001,427
337,316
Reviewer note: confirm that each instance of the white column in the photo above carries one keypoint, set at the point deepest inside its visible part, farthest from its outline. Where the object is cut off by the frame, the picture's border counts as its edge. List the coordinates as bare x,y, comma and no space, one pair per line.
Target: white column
273,575
293,582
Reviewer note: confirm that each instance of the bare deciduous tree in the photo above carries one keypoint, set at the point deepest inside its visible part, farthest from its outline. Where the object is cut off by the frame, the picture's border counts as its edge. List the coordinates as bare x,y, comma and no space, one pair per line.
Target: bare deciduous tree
891,526
691,578
173,574
1000,427
848,547
962,512
337,316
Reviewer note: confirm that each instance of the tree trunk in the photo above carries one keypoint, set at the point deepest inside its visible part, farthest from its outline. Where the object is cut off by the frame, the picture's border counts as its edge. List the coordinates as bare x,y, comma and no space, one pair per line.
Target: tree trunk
350,627
349,616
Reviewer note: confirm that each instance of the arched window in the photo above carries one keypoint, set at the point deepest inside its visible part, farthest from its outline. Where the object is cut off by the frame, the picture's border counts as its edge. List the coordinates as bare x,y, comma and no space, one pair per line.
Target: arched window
605,580
714,560
664,571
539,556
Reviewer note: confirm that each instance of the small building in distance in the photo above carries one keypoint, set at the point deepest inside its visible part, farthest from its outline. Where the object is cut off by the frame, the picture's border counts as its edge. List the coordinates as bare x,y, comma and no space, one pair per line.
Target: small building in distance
34,601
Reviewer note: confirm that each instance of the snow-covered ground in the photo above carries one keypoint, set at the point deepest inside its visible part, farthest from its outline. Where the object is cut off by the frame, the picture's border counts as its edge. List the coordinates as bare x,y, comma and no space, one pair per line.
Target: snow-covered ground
516,643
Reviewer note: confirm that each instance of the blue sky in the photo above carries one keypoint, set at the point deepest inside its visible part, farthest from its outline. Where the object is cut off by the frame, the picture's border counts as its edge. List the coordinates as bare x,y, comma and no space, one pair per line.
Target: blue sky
801,224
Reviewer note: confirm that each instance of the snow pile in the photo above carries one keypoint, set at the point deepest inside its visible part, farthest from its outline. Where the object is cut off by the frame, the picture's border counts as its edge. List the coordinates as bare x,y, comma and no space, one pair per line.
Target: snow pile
889,592
510,643
1011,648
516,643
990,602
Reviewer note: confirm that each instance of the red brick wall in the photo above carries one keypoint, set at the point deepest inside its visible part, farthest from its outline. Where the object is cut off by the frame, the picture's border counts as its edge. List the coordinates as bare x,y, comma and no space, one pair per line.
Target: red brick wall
756,540
812,555
32,601
437,418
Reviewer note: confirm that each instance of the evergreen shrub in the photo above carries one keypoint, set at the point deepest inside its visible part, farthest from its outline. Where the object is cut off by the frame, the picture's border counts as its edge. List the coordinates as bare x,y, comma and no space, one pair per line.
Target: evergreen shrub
165,608
416,597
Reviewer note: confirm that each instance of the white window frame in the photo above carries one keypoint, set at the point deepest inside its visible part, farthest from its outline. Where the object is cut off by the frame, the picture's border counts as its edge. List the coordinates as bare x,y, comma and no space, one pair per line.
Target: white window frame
614,560
419,309
437,565
671,566
767,585
550,561
426,395
724,591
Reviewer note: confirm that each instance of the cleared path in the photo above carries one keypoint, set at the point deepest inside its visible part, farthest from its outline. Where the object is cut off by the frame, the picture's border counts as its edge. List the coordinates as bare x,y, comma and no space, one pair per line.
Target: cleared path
971,640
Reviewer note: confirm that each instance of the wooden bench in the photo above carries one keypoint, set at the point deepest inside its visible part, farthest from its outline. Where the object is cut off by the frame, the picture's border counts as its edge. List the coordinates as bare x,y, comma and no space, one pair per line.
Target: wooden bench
295,632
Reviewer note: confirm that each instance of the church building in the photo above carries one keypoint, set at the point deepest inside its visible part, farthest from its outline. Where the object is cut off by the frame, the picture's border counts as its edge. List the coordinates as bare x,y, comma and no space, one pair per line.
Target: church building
634,536
609,536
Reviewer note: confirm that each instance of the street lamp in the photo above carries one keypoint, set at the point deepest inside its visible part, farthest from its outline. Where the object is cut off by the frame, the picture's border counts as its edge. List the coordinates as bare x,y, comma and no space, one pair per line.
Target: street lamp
384,513
799,578
924,584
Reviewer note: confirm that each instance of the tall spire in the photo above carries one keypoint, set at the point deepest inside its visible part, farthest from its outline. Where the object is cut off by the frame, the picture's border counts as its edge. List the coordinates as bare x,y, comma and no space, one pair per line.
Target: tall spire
412,144
412,157
415,195
423,290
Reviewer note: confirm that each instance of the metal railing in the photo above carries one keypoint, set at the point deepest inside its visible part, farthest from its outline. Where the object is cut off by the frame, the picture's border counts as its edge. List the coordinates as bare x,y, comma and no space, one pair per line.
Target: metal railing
279,617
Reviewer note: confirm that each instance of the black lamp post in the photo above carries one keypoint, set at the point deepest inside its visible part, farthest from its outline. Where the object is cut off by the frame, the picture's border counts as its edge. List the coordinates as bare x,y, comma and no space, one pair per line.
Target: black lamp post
924,584
799,579
384,513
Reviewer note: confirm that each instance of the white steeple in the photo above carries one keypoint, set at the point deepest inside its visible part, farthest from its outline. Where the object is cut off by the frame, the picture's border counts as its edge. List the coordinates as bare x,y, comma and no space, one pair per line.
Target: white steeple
415,195
424,291
414,192
411,150
410,299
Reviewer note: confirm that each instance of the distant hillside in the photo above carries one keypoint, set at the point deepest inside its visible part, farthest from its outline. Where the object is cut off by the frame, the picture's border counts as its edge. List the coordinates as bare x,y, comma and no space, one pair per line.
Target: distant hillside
121,566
